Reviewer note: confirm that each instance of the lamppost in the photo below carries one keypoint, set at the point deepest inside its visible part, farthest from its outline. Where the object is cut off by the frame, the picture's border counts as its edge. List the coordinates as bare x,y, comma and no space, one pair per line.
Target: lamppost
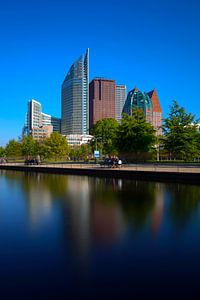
96,139
157,152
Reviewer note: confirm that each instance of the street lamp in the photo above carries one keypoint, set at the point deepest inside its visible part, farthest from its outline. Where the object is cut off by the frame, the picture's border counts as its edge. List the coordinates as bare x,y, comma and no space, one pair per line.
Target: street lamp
96,139
157,146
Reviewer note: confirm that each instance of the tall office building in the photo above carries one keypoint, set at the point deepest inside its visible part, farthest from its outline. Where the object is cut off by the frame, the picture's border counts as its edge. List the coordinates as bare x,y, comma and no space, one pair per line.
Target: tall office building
46,119
75,98
34,115
102,99
157,111
120,98
150,105
39,124
138,99
56,123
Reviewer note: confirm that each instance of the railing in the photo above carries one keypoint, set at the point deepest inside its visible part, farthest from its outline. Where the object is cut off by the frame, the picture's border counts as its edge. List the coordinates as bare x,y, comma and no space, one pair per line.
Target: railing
128,167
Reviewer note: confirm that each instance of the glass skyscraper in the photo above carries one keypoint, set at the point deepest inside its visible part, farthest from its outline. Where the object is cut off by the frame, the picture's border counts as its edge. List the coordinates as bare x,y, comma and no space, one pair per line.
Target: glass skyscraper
75,98
120,98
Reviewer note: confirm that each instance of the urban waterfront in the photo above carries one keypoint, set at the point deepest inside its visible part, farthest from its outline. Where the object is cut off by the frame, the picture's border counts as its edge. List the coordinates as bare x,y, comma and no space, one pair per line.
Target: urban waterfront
77,236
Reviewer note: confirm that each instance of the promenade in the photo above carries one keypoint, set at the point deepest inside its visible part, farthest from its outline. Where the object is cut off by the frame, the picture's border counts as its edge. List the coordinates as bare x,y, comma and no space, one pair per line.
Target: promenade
128,167
148,172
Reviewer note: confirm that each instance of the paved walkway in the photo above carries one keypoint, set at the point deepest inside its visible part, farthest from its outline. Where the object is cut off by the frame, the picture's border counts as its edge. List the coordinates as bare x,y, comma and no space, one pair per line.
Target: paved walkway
131,167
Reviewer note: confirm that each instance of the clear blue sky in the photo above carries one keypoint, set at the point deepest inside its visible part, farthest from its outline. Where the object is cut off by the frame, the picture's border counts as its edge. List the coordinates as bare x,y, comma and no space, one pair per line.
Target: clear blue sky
143,43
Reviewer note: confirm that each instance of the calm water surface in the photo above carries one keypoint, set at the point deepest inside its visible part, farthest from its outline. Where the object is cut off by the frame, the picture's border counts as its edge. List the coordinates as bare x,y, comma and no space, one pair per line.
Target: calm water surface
76,237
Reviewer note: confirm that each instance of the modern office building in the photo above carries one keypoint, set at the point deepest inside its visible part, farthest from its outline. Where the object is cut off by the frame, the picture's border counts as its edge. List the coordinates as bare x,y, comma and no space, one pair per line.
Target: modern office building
41,133
138,99
120,98
34,114
37,122
46,119
102,100
75,98
157,111
150,105
56,123
78,139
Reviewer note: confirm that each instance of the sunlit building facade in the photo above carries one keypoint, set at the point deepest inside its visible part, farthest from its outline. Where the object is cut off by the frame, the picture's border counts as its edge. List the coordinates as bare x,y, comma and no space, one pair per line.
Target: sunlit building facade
102,99
138,99
41,133
157,111
120,98
39,124
34,114
78,139
75,98
150,105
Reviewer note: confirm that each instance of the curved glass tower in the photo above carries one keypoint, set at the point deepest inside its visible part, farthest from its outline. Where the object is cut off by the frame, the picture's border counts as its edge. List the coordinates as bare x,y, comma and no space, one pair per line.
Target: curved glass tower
75,98
138,99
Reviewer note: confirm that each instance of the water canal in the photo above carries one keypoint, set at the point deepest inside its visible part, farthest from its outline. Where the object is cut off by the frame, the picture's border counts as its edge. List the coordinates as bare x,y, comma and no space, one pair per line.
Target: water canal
72,237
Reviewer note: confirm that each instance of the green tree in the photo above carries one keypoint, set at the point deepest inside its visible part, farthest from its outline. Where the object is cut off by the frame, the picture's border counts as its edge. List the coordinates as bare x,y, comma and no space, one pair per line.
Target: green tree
29,146
180,133
13,149
105,133
79,152
2,152
84,151
55,146
135,134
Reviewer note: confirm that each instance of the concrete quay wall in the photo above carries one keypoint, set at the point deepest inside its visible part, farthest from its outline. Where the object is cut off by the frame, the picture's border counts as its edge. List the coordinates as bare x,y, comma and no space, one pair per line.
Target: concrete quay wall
181,175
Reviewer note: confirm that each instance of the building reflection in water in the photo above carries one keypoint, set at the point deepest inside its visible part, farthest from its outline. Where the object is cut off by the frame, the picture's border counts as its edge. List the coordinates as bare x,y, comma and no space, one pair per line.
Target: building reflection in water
158,210
77,214
106,216
94,210
39,205
42,190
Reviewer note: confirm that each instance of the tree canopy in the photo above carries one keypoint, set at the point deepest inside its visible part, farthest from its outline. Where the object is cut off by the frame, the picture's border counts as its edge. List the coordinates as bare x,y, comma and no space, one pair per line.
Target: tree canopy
105,131
135,134
13,149
29,146
2,151
55,146
181,138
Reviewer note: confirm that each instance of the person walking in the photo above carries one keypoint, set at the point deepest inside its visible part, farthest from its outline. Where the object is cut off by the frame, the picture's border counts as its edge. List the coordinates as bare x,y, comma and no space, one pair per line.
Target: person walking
119,163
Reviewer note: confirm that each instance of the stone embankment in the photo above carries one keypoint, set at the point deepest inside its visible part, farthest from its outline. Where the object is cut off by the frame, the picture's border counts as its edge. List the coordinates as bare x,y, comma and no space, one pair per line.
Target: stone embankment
151,172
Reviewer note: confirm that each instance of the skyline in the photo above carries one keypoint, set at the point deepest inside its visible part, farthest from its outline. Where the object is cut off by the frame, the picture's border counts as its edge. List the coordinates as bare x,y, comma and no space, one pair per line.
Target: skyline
140,43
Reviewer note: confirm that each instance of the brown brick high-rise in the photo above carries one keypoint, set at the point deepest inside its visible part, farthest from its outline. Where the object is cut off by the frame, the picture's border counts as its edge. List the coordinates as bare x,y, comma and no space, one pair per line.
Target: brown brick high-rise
157,111
101,100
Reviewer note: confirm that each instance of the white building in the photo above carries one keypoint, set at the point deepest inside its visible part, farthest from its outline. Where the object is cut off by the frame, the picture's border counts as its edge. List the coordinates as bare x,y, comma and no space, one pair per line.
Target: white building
78,139
35,119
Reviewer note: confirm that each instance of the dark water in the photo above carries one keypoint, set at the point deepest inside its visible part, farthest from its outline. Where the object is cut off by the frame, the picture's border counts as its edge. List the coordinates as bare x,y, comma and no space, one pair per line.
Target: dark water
70,237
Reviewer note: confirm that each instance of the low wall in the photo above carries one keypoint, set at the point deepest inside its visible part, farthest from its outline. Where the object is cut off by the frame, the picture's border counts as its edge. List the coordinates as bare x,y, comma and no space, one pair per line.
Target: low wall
182,177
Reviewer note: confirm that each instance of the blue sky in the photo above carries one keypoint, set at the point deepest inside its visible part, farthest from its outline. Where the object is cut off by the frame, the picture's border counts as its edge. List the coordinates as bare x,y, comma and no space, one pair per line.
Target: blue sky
143,43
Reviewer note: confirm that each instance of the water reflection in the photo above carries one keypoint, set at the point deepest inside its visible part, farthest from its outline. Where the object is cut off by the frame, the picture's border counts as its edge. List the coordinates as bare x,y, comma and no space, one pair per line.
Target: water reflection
113,228
101,210
184,204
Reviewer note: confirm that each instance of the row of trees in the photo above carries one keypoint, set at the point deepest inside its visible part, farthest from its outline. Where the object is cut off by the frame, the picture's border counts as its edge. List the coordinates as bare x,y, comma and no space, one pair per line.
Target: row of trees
133,135
54,147
180,139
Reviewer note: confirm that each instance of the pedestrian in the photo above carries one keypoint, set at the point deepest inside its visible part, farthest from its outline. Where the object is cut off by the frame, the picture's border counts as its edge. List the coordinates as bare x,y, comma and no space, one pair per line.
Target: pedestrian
119,163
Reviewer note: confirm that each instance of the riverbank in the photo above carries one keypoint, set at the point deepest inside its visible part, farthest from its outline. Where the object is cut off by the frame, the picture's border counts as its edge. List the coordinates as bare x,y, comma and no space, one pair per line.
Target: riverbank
147,172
